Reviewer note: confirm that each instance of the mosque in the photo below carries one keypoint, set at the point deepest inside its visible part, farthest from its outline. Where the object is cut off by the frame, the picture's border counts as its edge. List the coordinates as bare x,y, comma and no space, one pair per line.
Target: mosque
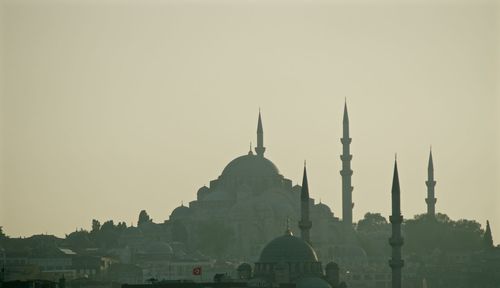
290,259
253,200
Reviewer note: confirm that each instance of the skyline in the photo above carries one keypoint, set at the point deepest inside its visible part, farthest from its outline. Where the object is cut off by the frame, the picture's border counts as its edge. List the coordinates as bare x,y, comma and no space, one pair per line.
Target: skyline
145,104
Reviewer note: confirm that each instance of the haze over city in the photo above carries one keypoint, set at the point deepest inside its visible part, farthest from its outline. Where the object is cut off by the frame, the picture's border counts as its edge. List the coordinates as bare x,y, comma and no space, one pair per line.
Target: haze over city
112,107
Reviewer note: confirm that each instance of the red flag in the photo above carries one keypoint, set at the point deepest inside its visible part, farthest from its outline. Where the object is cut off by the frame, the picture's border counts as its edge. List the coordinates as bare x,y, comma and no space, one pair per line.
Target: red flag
197,271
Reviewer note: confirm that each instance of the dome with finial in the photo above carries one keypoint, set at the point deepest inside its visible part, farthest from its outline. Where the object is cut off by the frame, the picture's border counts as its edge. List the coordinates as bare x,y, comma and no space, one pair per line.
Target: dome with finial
202,192
250,166
180,212
322,209
288,248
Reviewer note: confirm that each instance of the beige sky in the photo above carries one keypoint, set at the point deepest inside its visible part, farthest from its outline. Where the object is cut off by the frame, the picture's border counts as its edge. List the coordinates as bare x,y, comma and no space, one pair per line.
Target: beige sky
110,107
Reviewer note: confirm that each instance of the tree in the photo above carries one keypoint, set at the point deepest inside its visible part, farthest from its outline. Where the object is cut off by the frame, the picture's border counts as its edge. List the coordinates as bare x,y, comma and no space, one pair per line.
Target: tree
121,226
372,233
95,226
487,237
79,239
372,222
108,226
108,236
144,218
426,233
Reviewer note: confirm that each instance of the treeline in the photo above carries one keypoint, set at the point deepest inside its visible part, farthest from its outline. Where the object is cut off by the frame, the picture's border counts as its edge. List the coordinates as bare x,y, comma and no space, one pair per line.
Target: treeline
424,235
101,236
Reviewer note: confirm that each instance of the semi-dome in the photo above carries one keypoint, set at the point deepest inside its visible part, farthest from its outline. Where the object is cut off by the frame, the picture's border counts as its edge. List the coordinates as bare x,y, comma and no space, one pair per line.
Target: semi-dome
250,166
288,248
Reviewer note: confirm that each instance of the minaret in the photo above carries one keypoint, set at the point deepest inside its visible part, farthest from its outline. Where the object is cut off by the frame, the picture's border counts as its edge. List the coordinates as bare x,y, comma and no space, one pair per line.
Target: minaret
430,200
487,237
346,171
304,224
396,241
260,149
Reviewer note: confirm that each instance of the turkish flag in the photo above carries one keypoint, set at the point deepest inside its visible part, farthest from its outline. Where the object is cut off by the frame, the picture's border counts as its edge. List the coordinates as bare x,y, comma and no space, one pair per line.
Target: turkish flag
197,271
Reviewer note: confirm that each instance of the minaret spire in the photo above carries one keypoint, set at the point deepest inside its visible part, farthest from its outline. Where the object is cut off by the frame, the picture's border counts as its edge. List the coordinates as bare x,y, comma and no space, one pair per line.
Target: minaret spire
396,241
304,224
346,171
431,199
487,237
260,149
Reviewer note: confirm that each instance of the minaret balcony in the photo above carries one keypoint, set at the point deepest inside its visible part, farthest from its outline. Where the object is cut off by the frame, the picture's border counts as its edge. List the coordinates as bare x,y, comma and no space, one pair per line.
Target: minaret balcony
346,172
346,157
396,263
346,140
430,200
396,219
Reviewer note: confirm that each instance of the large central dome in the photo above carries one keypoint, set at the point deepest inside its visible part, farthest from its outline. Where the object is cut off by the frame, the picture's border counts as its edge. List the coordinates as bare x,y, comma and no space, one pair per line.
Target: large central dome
250,166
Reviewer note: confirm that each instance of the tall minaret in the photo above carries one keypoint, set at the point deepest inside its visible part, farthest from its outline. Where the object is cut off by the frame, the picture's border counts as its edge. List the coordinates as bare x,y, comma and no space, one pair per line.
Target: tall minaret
396,241
260,149
304,224
430,200
346,171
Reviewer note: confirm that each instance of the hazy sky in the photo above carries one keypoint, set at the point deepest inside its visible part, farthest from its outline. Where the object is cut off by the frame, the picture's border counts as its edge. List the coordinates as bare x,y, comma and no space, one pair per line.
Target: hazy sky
111,107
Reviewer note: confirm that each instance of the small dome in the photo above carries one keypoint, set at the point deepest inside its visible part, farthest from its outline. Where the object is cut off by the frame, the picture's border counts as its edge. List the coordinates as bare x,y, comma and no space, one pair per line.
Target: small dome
322,209
312,282
180,213
244,267
288,248
202,192
250,166
203,189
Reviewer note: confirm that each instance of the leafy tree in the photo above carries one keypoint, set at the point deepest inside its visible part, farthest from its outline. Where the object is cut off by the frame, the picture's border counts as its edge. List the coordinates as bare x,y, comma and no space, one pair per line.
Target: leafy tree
108,226
372,233
108,236
372,222
144,218
425,234
96,225
121,226
79,239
